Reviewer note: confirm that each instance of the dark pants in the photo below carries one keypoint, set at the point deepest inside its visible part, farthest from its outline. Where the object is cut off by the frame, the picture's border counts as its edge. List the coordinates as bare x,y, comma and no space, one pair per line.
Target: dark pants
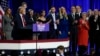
52,34
82,50
42,35
22,34
97,41
73,40
92,39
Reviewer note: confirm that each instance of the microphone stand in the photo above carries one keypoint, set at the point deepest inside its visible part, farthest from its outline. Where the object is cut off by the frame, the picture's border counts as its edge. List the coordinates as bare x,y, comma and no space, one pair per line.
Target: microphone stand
36,39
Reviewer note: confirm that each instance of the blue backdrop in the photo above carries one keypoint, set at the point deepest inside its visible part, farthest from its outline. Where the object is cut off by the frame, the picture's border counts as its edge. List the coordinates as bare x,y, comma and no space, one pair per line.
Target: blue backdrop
38,5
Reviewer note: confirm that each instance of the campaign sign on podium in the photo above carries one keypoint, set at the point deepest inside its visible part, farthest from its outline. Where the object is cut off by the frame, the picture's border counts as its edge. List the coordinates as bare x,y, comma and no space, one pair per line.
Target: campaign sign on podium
40,27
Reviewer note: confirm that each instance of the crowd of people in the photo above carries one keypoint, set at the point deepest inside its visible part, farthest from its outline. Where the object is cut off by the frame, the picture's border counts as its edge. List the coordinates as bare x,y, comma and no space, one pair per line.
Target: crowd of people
80,27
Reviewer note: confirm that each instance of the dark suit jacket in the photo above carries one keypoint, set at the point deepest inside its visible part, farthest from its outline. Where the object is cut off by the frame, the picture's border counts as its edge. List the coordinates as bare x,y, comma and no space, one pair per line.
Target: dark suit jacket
49,17
73,28
29,19
80,15
18,22
18,26
93,25
71,19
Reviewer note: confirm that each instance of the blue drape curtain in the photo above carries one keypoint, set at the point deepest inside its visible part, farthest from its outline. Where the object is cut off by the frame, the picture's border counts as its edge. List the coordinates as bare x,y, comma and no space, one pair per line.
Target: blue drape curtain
38,5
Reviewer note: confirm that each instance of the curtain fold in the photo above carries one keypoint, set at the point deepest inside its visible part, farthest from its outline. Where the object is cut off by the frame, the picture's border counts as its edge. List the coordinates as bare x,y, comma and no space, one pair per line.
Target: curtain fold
38,5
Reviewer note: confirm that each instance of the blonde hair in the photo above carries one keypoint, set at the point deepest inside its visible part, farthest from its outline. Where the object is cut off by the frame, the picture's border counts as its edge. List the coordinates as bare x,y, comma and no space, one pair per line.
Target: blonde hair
63,13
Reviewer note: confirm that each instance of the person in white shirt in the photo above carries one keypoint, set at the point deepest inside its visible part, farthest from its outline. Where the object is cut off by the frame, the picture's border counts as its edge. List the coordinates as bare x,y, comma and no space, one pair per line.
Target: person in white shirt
94,36
53,21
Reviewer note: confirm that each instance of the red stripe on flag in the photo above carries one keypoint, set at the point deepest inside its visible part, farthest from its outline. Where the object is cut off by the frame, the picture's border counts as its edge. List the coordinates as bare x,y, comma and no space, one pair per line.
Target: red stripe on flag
1,12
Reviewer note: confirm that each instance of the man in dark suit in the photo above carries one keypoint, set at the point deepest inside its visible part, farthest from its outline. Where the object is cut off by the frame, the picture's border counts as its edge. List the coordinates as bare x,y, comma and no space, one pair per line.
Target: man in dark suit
59,52
19,24
79,11
94,32
73,20
30,17
53,20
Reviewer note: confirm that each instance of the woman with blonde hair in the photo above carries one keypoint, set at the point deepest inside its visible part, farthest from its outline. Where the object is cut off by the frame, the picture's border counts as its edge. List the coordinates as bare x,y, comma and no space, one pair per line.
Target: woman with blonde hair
63,23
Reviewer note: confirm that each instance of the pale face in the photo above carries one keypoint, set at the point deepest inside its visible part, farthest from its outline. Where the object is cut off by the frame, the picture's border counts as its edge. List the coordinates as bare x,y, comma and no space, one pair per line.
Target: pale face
22,11
99,13
90,12
9,11
25,6
60,51
96,12
84,16
31,12
78,9
43,13
73,9
53,10
63,10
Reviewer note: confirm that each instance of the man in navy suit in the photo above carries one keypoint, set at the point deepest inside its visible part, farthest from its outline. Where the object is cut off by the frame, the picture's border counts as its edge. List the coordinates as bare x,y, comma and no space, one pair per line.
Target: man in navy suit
53,20
73,20
79,11
59,52
19,24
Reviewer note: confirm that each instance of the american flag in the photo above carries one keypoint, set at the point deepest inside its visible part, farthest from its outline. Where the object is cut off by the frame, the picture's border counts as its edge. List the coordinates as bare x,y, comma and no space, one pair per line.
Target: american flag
3,6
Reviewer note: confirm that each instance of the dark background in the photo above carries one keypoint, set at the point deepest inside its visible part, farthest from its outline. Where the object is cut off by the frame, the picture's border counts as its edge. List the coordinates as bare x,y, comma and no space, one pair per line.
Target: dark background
38,5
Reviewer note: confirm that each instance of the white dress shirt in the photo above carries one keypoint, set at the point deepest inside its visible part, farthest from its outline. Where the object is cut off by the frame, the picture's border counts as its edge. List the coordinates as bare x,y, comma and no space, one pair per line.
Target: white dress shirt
73,15
96,18
54,20
79,13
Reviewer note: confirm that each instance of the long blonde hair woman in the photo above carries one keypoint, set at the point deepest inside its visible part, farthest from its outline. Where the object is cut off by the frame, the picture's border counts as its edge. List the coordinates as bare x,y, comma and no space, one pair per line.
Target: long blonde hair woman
63,23
63,13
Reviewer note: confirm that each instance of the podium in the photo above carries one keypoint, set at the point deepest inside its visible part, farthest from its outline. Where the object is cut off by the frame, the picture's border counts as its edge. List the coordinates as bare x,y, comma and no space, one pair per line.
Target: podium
27,32
30,47
40,27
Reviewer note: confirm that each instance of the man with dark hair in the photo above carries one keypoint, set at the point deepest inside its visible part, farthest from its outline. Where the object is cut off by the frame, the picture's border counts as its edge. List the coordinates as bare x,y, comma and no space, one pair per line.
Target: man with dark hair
19,24
53,19
24,4
73,20
79,11
60,50
94,23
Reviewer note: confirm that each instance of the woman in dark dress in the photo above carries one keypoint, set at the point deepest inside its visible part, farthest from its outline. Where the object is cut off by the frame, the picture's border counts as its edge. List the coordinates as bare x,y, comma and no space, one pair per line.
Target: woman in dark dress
42,20
31,19
63,23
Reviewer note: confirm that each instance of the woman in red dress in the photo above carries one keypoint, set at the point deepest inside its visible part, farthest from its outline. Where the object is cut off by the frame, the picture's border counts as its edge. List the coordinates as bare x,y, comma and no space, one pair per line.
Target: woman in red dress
83,35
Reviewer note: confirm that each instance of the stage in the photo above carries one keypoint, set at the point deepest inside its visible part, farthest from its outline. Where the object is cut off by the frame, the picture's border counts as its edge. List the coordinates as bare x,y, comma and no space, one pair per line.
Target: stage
30,46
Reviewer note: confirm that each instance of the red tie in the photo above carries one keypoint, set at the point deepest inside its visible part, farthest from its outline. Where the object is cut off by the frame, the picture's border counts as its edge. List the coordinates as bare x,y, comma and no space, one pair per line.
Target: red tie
23,21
